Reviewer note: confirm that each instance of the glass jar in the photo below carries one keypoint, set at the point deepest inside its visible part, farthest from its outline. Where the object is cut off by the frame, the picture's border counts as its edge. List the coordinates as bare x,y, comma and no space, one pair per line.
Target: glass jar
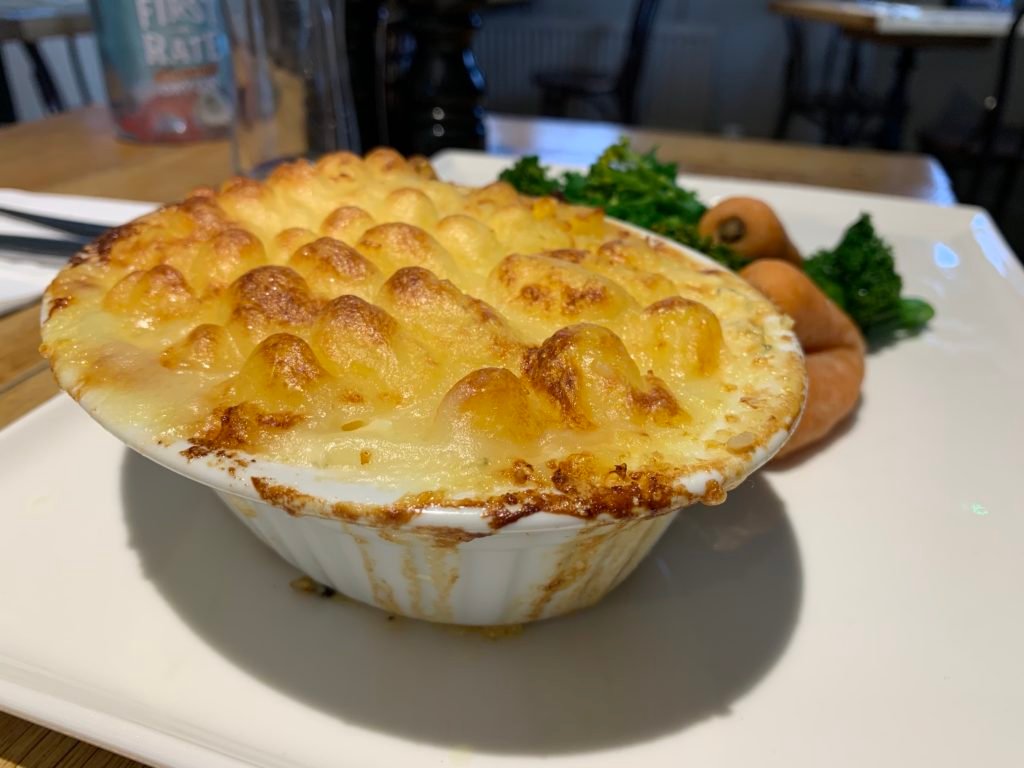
167,67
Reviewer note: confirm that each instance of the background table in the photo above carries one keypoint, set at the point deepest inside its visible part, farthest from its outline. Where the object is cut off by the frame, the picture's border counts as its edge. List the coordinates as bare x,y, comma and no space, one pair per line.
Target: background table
906,27
78,153
900,20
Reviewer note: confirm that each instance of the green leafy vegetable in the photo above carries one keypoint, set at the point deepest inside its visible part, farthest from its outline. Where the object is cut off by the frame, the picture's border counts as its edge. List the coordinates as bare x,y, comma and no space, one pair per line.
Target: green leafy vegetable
530,177
634,187
859,274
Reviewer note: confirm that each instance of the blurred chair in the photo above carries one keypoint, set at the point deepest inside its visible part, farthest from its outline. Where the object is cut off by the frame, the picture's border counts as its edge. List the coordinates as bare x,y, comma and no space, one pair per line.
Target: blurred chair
989,143
26,24
842,115
559,88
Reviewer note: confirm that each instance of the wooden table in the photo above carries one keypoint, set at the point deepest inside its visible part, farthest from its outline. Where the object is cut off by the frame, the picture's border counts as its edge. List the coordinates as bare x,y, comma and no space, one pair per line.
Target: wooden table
77,153
906,27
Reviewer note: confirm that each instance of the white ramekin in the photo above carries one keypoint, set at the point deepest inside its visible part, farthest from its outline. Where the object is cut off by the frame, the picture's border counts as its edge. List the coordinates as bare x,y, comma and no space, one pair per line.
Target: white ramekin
516,574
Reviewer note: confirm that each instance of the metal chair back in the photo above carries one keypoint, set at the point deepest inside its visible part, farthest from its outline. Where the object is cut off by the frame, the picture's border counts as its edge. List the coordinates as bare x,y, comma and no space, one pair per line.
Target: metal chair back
633,61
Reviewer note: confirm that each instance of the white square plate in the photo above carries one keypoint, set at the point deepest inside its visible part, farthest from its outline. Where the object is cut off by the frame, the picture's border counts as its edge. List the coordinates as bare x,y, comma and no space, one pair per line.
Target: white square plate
876,621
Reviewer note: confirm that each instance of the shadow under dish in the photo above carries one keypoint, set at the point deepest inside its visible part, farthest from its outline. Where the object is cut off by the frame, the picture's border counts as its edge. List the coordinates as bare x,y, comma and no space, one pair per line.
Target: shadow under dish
703,619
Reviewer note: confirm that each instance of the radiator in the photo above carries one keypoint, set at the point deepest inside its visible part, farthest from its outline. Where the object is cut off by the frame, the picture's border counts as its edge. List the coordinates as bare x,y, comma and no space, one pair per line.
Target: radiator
675,87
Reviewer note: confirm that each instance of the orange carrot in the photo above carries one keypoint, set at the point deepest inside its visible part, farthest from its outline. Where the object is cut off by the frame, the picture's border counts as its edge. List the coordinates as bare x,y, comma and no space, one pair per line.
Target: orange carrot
751,228
832,344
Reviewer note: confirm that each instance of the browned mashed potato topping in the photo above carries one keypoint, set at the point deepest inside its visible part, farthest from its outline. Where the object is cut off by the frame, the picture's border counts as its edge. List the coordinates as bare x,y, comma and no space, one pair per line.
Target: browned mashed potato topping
360,317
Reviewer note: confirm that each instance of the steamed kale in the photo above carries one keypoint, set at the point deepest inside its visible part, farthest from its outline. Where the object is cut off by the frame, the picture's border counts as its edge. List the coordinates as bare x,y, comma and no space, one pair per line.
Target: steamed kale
859,274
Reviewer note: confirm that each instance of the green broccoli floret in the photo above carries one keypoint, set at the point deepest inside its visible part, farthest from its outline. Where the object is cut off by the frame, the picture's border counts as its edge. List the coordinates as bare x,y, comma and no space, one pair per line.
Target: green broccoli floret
529,177
860,276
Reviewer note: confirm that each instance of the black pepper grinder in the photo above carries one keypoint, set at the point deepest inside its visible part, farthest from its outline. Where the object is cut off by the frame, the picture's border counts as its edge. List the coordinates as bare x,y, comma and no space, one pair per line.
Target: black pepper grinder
433,86
366,29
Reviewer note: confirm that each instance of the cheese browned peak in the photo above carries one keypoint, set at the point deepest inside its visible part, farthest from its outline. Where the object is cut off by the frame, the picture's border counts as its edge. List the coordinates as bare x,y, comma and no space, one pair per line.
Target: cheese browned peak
360,317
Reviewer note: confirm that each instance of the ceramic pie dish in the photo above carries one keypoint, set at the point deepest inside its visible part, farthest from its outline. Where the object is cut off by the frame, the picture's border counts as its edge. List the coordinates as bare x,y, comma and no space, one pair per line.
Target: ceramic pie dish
457,404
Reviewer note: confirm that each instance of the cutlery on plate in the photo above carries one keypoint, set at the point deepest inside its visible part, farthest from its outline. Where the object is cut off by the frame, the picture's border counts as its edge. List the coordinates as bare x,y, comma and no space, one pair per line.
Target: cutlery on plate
84,229
42,246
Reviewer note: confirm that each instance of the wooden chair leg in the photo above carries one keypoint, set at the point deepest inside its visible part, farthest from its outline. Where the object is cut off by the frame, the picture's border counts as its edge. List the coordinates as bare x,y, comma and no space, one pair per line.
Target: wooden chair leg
47,88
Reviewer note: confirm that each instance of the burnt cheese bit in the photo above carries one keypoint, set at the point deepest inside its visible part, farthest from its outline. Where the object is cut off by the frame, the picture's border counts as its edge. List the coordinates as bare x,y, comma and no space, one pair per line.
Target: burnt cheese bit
224,258
556,287
396,245
347,223
352,332
243,426
116,245
206,348
271,298
360,342
683,335
415,289
151,296
331,267
586,373
489,404
281,373
205,216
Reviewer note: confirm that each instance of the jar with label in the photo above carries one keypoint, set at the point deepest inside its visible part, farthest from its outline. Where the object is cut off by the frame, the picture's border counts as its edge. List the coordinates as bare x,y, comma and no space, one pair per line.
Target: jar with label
167,67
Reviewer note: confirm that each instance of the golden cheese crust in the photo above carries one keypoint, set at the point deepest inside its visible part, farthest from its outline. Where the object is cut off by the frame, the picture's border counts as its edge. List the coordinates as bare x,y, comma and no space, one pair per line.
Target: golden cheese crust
464,346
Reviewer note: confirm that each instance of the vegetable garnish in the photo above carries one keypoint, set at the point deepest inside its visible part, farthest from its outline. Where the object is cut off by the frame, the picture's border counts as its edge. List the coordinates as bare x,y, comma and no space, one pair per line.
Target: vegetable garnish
860,276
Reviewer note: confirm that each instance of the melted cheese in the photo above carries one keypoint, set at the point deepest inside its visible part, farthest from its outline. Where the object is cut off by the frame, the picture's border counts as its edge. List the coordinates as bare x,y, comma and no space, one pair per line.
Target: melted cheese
362,317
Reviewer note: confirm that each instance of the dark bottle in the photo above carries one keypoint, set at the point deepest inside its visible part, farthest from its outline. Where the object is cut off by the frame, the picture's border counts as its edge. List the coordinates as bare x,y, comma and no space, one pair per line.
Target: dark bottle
366,30
434,87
